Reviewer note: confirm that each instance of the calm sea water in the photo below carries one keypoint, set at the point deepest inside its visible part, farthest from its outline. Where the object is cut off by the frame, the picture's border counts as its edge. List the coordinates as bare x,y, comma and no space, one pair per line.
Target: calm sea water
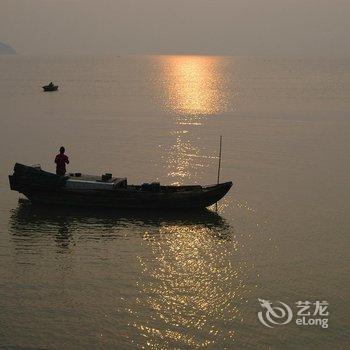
95,279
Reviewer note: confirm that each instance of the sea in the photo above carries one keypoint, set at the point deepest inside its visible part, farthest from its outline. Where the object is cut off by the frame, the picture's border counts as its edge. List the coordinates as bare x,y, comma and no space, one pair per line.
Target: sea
269,269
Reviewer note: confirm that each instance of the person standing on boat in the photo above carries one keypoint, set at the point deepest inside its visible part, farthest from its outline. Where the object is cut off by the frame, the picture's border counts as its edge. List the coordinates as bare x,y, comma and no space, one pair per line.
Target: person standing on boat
61,160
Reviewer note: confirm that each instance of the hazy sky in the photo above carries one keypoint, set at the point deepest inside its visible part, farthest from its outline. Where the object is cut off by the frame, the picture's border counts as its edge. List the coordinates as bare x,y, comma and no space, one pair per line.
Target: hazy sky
241,27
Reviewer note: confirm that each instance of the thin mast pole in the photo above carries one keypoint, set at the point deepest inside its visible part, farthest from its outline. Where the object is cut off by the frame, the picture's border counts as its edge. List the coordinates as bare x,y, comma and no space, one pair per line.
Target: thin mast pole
219,167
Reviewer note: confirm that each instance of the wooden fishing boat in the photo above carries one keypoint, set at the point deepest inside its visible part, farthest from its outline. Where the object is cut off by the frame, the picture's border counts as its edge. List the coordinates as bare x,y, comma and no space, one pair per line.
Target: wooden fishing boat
85,190
50,87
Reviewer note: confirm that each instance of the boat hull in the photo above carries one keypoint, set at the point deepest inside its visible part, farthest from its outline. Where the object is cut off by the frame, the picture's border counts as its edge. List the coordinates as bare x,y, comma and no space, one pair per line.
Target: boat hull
125,199
50,88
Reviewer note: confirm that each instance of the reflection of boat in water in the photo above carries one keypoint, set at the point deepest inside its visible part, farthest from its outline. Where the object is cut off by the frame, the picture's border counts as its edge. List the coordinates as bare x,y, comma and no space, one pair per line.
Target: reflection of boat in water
42,187
50,87
27,212
29,217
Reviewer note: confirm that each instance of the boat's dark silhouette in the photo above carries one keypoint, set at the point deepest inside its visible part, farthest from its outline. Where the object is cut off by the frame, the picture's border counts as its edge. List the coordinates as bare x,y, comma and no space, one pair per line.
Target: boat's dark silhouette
50,87
46,188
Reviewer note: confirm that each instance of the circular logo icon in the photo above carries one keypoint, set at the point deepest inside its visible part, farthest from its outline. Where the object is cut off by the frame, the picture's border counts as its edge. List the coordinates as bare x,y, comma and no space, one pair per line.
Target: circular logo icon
274,315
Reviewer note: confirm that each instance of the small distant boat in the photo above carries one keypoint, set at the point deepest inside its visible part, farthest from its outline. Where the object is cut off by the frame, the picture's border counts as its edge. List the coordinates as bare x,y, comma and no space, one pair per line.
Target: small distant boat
50,87
105,191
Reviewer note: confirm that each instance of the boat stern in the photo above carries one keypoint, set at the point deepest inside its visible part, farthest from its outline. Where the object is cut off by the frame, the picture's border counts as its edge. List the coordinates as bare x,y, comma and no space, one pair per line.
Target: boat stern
12,181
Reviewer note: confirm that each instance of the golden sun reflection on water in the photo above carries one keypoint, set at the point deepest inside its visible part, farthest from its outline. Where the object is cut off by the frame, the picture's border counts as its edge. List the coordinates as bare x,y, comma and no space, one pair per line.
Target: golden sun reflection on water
183,160
193,88
195,85
194,274
194,283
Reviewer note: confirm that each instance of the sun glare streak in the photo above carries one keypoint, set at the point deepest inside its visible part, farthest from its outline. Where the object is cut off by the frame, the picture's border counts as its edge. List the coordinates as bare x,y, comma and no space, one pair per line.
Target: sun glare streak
193,285
193,88
194,85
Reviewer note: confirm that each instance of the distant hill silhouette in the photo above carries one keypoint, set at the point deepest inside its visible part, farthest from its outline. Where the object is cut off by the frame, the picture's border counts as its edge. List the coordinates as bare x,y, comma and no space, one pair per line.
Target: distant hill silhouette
6,49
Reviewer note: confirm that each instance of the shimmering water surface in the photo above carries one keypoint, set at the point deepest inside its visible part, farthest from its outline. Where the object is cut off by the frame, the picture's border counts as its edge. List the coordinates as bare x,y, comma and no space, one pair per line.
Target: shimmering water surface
104,279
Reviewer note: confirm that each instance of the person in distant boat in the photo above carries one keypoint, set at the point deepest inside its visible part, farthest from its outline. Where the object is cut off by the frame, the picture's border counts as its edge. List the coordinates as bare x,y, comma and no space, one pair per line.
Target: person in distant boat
61,160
